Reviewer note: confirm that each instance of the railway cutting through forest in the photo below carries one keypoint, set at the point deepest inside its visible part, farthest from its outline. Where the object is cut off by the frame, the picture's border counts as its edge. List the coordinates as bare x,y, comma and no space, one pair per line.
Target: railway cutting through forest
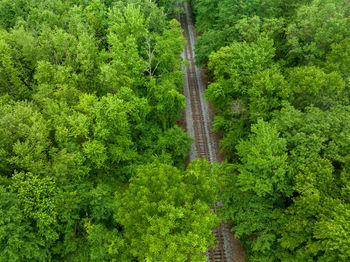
199,125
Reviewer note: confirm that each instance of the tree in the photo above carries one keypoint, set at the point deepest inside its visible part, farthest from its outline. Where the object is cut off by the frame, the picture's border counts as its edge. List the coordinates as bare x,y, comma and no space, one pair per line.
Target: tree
263,167
24,139
78,115
317,26
169,6
165,212
314,134
313,227
339,59
17,241
279,81
125,66
11,10
301,87
232,68
267,93
28,218
312,86
260,183
221,22
18,57
96,17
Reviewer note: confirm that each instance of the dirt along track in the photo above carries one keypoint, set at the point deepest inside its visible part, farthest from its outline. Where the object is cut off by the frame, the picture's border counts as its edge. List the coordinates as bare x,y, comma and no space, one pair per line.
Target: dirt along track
199,125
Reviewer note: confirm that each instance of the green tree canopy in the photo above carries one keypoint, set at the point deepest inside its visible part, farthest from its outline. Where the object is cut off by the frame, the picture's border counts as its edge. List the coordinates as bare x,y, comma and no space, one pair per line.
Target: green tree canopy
165,212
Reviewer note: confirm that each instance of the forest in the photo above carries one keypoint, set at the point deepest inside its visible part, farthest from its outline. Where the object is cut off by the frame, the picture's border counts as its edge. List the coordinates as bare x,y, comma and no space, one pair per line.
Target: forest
91,158
280,83
93,163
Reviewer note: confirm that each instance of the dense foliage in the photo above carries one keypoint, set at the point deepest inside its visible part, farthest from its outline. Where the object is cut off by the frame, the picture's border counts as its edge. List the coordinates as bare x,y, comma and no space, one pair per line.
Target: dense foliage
280,82
91,160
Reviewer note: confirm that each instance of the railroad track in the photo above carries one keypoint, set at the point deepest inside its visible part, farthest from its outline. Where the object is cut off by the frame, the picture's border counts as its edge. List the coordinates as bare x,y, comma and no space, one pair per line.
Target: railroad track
199,127
199,112
200,132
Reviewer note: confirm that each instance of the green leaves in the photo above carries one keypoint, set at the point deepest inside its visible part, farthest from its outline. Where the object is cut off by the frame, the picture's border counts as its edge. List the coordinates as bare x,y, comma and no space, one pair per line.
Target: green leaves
314,223
264,167
267,93
165,212
106,244
13,243
226,21
18,54
29,213
233,66
38,200
339,59
311,86
279,81
79,113
24,138
317,26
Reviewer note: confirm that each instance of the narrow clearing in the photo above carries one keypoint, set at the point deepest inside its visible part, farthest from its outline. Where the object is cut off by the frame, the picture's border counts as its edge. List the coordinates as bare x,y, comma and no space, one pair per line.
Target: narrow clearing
199,125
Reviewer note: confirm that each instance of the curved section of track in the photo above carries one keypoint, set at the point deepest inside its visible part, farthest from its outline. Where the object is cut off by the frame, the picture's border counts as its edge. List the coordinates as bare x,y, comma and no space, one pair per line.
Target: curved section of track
198,123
